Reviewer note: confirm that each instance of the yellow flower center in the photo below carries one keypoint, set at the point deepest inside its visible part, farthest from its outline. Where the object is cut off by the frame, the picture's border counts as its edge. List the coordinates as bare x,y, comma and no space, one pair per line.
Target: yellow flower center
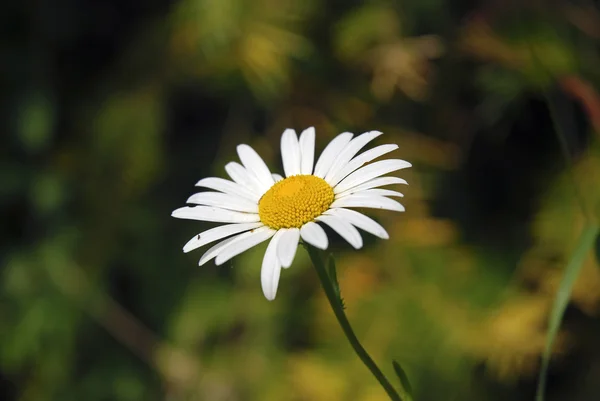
295,201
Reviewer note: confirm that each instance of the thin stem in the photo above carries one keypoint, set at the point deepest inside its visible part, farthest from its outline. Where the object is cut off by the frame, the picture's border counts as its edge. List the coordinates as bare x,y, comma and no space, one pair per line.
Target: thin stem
345,324
564,146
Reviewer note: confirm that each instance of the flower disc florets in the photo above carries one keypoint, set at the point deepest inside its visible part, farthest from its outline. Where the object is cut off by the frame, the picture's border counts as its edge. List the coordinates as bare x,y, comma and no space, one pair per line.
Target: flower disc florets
294,201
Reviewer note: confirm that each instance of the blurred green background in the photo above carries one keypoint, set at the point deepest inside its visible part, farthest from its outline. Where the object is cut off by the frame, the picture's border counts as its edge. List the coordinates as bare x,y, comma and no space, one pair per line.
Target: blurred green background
113,109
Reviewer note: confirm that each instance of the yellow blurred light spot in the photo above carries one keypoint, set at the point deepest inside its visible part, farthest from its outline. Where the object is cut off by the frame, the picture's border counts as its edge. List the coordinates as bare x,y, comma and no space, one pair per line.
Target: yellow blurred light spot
512,339
374,393
312,378
294,201
359,278
418,231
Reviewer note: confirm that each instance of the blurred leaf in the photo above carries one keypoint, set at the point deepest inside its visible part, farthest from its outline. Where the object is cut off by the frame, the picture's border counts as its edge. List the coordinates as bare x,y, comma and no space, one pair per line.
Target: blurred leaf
403,377
586,241
549,59
403,64
364,27
36,121
232,40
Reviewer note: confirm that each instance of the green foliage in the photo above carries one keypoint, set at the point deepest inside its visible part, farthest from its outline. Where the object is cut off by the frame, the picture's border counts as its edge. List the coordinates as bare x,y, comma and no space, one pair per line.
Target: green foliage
126,135
581,252
364,27
237,39
97,301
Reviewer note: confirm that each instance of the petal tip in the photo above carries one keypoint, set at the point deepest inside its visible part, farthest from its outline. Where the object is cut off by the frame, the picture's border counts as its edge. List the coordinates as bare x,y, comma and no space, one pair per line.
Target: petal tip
219,260
285,261
178,213
289,131
309,131
241,148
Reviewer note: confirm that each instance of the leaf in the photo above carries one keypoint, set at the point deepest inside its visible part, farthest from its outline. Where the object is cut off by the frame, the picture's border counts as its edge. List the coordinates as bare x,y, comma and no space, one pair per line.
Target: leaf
364,27
586,241
334,281
406,387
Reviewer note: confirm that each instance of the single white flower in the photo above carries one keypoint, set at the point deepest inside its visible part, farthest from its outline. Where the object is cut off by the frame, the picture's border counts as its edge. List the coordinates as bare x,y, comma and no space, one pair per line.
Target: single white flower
260,205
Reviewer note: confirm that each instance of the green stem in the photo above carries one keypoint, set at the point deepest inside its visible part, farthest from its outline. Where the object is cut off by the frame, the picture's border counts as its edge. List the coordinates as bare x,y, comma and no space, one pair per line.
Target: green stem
562,140
345,324
564,147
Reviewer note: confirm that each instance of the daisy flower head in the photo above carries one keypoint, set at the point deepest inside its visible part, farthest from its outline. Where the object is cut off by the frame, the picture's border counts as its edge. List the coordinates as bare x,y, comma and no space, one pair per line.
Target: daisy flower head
259,205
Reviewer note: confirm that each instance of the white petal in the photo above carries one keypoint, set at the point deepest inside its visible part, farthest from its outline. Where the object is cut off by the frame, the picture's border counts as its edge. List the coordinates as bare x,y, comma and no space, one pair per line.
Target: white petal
290,153
218,248
373,202
349,152
344,229
228,187
307,151
239,174
359,160
217,233
314,235
255,165
207,213
331,151
288,243
254,238
374,183
376,192
369,172
276,177
224,201
360,220
215,249
271,268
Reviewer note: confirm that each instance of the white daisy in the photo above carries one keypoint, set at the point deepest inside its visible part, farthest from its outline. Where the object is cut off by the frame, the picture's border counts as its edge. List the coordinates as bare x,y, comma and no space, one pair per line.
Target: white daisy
260,205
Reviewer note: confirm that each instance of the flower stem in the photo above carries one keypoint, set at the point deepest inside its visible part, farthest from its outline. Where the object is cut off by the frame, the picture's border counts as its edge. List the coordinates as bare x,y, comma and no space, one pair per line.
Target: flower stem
338,310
